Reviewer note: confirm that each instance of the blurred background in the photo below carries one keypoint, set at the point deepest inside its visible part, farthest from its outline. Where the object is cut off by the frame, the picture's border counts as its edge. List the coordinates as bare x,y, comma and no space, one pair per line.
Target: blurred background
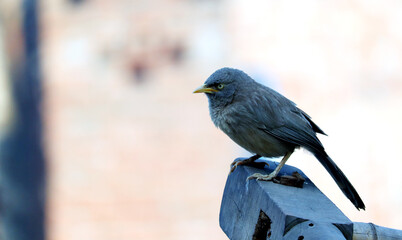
131,153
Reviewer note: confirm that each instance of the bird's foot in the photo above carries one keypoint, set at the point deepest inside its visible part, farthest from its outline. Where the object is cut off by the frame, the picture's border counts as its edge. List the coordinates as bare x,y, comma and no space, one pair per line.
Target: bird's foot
261,177
249,161
234,164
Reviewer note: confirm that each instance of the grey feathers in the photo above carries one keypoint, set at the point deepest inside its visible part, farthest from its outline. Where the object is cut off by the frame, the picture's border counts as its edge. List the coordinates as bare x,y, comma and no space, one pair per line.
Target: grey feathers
245,103
266,123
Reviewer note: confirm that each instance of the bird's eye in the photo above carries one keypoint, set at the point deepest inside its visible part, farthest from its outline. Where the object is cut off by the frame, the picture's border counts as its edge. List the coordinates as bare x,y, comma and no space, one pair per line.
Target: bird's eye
220,86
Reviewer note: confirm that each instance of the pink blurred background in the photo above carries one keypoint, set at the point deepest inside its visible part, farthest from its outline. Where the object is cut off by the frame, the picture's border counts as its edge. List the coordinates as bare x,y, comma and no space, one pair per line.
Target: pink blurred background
132,153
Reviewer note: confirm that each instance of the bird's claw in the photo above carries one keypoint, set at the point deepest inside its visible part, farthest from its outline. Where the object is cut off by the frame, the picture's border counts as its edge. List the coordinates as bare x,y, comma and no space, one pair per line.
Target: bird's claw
261,177
234,164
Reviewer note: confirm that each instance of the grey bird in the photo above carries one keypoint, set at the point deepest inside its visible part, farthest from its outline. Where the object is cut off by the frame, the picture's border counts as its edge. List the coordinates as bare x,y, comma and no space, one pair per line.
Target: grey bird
265,123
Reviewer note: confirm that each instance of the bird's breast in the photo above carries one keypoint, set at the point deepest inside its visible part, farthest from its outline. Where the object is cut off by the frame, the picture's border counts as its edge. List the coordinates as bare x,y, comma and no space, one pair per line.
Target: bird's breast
245,131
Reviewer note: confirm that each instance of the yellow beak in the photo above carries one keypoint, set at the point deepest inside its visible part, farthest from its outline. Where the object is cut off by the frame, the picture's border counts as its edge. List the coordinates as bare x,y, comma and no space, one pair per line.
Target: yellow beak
204,89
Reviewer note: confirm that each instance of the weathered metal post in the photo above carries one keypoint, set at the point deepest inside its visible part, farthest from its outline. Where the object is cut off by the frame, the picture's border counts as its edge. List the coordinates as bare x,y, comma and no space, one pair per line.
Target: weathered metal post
267,210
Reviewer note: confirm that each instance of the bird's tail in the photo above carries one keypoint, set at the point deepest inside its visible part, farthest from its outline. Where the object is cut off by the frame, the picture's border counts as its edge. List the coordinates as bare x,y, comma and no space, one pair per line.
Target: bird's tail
340,179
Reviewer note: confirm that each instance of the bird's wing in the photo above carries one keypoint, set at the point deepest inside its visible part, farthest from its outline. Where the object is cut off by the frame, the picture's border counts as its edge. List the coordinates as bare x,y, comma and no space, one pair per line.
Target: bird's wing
281,118
296,136
316,128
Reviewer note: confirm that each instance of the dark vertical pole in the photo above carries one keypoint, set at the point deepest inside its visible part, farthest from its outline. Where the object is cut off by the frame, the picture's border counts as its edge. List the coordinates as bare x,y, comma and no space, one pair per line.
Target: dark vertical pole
22,159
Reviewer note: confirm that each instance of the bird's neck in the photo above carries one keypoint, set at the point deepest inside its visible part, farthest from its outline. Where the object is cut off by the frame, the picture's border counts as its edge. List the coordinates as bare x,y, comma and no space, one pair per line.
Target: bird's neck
220,103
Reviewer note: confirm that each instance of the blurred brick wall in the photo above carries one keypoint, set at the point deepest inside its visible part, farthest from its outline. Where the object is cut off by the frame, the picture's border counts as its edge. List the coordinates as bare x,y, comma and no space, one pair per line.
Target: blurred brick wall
132,153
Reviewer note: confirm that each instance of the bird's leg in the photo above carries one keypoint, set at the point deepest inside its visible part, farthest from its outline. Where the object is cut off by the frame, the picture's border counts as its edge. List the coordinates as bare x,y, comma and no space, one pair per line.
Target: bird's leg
262,177
249,160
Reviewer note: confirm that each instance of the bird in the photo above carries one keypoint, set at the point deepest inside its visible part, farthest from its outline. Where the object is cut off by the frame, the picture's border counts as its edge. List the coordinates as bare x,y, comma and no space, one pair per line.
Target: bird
267,124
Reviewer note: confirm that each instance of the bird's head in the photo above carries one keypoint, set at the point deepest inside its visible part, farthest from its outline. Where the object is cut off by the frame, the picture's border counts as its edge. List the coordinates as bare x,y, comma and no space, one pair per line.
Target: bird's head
222,85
